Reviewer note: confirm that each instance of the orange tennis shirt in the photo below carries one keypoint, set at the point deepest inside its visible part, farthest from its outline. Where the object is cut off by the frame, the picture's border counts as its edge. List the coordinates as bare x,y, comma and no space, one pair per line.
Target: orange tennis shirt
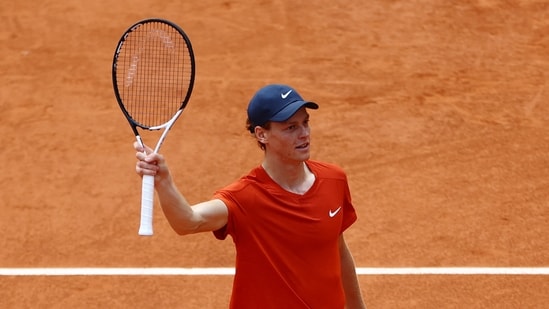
287,253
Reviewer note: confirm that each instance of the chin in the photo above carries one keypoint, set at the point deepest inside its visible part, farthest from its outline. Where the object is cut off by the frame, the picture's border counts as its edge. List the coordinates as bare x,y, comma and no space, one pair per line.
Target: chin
304,157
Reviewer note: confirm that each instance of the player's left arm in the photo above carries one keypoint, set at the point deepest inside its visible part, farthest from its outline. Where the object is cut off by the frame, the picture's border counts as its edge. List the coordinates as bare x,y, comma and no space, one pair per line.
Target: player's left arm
353,295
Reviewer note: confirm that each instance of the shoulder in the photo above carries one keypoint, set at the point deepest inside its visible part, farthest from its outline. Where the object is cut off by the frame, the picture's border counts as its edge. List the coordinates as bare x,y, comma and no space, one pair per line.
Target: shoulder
244,183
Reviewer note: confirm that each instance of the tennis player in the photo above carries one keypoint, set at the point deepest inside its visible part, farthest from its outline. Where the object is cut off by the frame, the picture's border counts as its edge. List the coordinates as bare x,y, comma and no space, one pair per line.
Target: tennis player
286,216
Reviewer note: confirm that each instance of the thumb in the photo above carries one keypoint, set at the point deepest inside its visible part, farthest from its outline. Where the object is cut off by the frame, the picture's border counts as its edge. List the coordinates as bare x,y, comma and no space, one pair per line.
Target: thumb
142,148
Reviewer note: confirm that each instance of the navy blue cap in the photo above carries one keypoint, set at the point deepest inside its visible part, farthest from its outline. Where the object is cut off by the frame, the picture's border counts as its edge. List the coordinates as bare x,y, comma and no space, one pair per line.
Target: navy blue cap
275,102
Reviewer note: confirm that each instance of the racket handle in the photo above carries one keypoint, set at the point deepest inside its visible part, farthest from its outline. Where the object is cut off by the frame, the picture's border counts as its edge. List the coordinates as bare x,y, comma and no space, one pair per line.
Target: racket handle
147,202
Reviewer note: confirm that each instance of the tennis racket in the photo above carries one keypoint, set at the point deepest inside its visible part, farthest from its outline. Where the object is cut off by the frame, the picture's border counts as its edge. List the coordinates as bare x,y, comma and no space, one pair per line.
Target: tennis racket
153,76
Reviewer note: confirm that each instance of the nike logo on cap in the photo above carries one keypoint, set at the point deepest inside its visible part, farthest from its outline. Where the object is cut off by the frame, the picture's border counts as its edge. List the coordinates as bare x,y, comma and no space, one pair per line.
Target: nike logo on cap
285,95
333,213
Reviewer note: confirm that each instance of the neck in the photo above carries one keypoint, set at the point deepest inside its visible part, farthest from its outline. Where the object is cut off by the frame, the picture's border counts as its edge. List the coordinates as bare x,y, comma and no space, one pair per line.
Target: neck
295,178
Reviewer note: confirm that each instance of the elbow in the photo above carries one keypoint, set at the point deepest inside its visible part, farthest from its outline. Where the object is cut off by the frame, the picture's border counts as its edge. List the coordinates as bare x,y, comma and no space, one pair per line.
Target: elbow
182,230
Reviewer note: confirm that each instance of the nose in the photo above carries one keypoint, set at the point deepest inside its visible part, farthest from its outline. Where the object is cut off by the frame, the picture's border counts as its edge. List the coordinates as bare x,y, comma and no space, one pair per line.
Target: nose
304,131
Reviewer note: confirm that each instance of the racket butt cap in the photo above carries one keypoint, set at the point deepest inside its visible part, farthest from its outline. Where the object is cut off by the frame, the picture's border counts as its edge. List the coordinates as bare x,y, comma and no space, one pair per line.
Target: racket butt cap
145,232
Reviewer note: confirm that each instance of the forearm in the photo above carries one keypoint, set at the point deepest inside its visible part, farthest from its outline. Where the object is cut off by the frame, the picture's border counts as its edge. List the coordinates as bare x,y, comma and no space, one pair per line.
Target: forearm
186,219
175,207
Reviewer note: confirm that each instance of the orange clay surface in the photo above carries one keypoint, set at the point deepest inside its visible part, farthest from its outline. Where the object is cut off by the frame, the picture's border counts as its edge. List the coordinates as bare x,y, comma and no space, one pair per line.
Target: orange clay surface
437,110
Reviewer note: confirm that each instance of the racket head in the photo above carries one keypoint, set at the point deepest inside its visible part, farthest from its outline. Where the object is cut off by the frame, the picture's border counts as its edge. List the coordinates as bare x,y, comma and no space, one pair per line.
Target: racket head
153,72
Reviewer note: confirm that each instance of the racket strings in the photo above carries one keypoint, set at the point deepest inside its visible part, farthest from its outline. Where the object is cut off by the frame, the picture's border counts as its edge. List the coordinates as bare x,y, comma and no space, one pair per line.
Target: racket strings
154,69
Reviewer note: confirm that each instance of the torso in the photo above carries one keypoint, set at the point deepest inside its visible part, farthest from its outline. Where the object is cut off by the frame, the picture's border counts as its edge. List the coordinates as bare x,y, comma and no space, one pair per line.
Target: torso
287,242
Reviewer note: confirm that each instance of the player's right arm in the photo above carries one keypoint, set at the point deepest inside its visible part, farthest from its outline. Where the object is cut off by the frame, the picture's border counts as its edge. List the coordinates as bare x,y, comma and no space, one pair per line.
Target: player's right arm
183,217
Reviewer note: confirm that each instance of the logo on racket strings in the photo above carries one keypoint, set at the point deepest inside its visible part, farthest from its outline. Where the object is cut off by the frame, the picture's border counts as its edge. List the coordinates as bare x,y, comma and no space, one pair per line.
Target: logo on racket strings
167,42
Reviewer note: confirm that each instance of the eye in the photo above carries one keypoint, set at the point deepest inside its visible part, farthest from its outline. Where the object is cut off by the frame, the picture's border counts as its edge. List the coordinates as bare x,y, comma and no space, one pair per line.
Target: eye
291,127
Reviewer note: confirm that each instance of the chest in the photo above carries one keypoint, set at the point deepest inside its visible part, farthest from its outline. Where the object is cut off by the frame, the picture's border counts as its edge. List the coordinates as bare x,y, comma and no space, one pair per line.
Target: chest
310,220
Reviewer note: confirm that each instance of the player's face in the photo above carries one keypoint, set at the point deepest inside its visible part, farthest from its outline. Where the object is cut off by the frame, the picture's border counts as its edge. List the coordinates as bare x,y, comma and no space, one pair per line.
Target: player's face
290,140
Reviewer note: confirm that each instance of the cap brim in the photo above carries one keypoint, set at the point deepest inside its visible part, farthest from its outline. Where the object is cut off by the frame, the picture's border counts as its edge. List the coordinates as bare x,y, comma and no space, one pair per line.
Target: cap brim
291,109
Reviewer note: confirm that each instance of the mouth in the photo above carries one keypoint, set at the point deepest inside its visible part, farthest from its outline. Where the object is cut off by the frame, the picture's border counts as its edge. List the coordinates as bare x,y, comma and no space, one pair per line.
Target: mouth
303,146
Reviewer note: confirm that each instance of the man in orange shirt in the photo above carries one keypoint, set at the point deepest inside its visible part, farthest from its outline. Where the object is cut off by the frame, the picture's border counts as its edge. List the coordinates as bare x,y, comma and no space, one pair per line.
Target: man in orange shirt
286,217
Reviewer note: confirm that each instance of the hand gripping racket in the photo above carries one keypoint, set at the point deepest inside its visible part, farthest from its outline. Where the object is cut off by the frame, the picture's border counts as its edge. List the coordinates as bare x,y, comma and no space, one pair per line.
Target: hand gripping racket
153,75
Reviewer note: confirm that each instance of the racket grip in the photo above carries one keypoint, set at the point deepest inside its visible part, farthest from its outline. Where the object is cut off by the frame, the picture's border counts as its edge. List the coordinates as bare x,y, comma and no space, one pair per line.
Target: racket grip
147,202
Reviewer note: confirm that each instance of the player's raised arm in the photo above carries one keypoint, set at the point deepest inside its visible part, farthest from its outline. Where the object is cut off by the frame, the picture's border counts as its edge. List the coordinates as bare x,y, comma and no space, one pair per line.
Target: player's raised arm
183,217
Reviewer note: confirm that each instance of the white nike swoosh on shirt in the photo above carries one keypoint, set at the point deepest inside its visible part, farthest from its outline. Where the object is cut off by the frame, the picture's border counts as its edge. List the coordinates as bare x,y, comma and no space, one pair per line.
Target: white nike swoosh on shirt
285,95
333,213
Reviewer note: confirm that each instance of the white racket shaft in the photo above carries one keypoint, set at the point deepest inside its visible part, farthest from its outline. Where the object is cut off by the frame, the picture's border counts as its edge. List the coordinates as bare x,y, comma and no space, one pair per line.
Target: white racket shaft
147,185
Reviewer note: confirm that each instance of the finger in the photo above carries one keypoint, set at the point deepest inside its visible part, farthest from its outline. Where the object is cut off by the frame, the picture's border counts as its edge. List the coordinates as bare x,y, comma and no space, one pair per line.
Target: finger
143,171
150,157
142,148
152,165
137,146
140,155
144,168
154,158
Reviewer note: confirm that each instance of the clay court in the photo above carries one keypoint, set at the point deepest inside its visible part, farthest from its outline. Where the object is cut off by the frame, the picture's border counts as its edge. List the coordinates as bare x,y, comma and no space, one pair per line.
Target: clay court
437,110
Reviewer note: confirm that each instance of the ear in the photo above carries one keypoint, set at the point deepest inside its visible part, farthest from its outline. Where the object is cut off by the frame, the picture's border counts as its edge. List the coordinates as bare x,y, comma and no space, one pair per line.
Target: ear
261,134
